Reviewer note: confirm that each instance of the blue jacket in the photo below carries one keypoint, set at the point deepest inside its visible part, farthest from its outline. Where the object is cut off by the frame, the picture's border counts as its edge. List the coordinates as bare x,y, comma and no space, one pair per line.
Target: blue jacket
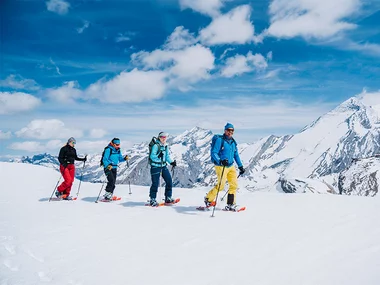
112,156
155,160
229,151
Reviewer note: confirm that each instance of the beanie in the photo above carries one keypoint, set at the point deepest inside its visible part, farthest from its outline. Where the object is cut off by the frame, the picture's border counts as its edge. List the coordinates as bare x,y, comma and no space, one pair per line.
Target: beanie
229,126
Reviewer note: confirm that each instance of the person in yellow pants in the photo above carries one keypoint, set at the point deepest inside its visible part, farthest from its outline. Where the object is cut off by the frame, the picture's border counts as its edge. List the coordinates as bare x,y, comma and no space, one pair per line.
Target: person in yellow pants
224,152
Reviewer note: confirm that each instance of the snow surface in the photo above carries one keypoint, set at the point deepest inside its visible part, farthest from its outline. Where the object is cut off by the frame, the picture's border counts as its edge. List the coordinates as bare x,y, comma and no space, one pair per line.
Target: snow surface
280,238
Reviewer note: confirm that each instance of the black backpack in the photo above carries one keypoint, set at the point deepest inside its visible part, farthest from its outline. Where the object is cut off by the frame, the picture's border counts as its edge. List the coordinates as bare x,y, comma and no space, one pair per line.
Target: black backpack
154,141
101,159
214,138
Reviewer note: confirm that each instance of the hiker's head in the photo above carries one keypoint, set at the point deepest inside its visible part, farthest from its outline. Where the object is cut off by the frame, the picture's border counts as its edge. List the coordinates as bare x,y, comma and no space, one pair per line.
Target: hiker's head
71,141
115,142
229,130
162,136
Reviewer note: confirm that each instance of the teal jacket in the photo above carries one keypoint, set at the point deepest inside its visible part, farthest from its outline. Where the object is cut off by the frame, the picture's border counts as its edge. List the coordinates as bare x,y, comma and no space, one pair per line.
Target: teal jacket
112,156
157,161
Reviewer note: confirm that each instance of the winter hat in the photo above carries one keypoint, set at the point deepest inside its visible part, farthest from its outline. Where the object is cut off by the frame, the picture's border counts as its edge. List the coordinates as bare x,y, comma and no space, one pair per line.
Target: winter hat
163,134
71,140
229,126
116,141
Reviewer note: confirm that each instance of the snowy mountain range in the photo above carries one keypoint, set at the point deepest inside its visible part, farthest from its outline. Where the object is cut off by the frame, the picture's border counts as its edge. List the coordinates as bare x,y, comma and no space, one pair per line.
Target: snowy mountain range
319,152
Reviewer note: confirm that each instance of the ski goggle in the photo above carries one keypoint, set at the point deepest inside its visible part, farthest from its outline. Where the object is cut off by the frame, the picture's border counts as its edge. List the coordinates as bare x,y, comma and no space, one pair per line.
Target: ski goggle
230,130
163,137
116,144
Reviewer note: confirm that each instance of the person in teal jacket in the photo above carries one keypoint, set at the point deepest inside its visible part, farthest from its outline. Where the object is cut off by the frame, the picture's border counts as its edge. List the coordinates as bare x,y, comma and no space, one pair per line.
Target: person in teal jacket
111,158
159,158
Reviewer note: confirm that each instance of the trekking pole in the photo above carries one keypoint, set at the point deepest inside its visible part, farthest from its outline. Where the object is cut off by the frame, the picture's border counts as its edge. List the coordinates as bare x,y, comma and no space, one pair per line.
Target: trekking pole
101,189
226,192
173,173
129,179
220,182
81,176
159,179
56,185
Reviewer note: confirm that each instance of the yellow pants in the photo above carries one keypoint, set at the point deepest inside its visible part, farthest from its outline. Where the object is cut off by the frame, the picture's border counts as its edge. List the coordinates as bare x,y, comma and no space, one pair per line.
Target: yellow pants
228,175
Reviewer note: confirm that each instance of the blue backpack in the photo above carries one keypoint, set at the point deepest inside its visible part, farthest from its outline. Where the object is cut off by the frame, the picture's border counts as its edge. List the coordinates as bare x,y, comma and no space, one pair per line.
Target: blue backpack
214,138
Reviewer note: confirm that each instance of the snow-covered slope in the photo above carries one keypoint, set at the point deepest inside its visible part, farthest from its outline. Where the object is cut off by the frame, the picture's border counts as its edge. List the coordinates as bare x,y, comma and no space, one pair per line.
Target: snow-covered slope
280,239
361,178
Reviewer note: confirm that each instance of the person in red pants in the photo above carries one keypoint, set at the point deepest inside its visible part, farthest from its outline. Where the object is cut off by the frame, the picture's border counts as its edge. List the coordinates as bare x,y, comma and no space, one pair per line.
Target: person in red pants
66,158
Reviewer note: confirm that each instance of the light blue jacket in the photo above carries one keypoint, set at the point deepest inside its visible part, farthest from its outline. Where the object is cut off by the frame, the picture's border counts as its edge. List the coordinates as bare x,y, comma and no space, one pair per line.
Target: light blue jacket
155,160
112,156
228,151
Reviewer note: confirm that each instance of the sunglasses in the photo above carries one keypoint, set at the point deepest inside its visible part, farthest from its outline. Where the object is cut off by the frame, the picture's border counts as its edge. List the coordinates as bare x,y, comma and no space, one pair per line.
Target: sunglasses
230,130
116,144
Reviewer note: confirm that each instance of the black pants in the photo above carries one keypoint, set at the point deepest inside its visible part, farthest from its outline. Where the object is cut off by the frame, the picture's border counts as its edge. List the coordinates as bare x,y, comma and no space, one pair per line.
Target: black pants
111,177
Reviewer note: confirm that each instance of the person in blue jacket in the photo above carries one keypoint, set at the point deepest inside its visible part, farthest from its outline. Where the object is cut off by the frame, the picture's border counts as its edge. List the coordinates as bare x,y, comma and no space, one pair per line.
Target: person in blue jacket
159,158
111,158
223,154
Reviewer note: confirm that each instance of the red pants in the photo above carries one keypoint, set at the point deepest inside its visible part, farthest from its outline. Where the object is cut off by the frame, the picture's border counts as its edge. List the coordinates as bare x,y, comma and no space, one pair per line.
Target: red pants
68,175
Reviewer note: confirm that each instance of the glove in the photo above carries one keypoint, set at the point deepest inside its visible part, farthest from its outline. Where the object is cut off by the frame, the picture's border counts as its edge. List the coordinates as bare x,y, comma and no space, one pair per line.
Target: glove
64,165
224,162
161,155
174,163
109,167
126,157
242,170
85,158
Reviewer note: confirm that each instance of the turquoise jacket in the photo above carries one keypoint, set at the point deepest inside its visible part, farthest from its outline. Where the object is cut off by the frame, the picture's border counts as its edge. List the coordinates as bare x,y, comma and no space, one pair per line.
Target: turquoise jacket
155,160
225,150
112,156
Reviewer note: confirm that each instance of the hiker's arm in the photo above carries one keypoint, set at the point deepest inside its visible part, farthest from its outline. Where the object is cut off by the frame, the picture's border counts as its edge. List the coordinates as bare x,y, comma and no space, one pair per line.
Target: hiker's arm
237,157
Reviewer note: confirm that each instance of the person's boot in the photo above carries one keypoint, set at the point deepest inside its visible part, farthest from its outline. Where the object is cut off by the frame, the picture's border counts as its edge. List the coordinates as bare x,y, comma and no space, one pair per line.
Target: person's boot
209,203
107,196
231,207
169,200
153,202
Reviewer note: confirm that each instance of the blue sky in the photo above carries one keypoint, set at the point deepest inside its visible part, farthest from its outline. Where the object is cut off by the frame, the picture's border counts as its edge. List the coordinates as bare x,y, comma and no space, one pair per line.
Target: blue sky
99,69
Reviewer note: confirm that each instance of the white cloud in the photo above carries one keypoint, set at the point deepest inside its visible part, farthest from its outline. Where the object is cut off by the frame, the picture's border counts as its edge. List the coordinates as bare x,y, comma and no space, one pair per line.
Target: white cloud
58,6
316,19
5,135
33,146
179,39
183,67
206,7
17,102
53,146
240,64
86,24
68,93
85,147
366,48
231,28
47,129
56,67
97,133
370,98
19,83
124,37
132,86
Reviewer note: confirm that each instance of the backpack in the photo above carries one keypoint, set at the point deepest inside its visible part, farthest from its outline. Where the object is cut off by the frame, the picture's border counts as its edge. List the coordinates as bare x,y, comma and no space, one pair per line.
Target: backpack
154,141
213,140
101,159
